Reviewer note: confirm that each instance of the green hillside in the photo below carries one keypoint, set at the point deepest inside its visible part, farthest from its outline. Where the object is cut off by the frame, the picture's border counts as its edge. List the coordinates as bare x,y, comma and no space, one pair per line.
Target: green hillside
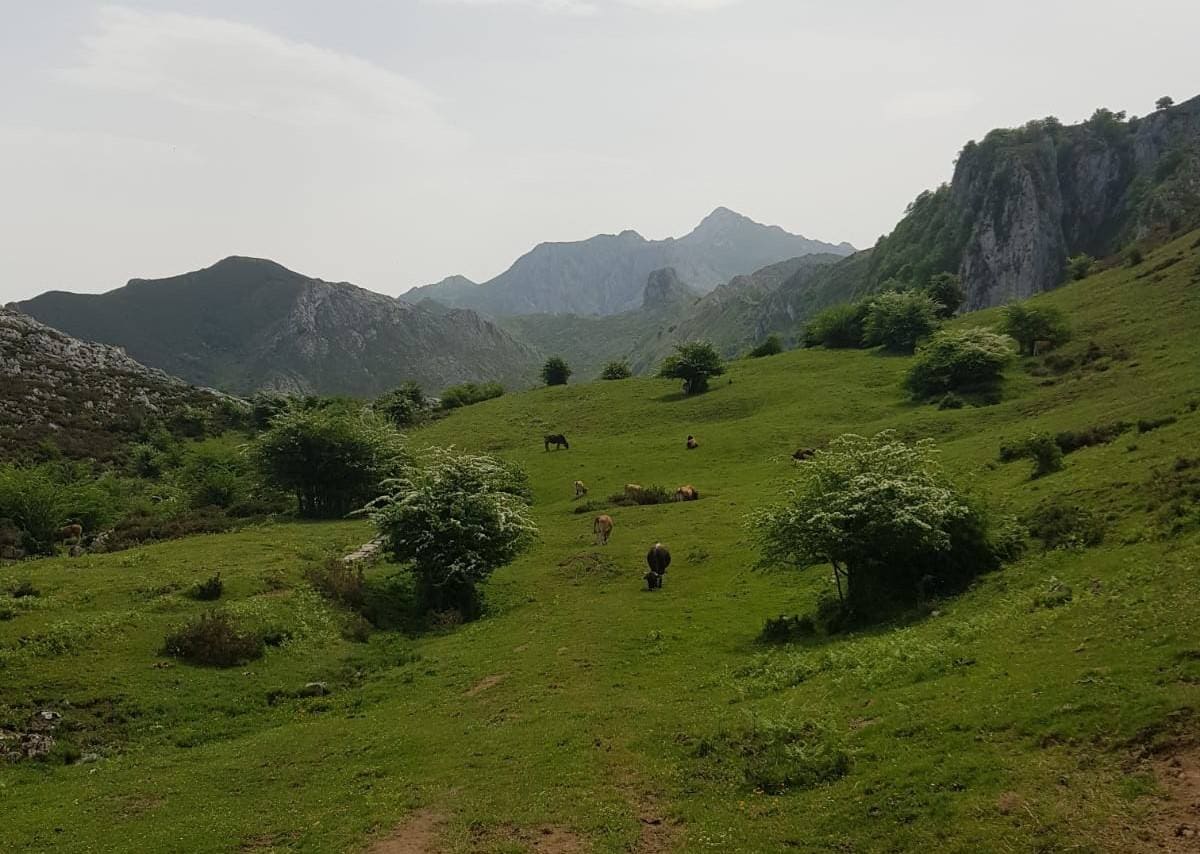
1039,711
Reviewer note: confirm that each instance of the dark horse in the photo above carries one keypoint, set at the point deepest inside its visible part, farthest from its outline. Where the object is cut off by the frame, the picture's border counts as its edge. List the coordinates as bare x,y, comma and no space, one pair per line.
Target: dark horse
558,440
658,559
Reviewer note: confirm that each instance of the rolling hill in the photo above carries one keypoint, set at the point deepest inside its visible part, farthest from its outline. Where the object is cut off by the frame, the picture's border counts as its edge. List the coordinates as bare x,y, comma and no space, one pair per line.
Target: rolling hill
246,324
1051,707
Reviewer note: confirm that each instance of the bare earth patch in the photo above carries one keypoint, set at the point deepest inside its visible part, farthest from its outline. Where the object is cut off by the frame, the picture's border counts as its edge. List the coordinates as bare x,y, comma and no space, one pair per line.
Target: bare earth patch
418,834
548,839
1175,822
485,683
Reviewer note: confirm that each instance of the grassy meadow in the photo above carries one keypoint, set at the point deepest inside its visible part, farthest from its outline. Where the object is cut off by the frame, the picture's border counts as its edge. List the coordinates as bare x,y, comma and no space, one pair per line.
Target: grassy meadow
583,713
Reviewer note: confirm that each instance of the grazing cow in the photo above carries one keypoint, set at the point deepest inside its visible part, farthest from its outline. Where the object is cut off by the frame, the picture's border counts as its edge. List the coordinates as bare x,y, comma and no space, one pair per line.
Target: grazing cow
71,532
692,444
804,454
603,527
633,490
558,440
686,493
580,489
658,559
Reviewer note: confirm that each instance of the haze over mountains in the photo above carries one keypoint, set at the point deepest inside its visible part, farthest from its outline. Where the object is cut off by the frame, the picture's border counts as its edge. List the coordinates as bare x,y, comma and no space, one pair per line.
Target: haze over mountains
606,274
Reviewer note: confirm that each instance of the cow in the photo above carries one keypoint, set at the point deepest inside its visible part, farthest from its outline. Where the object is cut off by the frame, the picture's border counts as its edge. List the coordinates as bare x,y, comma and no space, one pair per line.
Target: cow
634,491
603,528
580,489
686,493
73,532
558,440
658,559
692,444
804,454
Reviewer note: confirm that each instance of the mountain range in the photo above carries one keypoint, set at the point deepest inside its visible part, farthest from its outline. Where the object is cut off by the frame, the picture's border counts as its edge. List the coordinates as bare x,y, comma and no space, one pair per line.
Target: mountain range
606,274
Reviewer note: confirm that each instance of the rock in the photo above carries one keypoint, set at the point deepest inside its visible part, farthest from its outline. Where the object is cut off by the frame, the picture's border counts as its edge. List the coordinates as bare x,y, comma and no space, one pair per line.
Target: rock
314,689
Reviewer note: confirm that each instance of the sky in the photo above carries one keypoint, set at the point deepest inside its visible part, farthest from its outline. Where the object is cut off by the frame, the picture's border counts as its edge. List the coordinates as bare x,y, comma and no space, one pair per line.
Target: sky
391,144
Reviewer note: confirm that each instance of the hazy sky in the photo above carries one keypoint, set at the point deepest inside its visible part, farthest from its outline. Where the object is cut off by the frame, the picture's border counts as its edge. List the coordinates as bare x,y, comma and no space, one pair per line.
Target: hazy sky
393,143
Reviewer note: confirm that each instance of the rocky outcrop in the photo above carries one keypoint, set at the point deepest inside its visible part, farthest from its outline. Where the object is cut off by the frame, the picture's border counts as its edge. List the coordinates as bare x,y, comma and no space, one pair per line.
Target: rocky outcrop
247,324
606,274
81,396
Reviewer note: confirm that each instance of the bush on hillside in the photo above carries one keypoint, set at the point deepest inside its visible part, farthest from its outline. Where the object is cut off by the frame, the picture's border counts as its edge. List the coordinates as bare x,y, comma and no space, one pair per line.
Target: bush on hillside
467,394
617,370
1028,325
695,363
339,581
214,638
653,494
1080,266
946,290
455,519
556,371
899,320
838,326
404,406
330,461
39,500
1045,452
1061,524
208,590
1101,434
882,514
265,406
963,360
771,347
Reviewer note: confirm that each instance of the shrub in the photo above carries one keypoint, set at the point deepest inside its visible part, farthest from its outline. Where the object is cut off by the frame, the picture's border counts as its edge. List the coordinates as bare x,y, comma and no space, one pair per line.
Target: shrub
785,629
946,290
897,321
1060,524
1101,434
214,638
1134,257
617,370
39,500
24,590
771,347
882,514
265,406
1053,594
455,519
1047,456
468,394
330,461
653,494
555,371
339,581
209,590
1079,266
775,756
404,406
961,360
695,363
838,326
1028,325
950,400
1146,425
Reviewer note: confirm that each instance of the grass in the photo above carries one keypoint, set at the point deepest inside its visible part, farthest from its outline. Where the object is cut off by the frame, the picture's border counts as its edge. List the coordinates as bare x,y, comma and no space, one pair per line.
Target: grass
1004,720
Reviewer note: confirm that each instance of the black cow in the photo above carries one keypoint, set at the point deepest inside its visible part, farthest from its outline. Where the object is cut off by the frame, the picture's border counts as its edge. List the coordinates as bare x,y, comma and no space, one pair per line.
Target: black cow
558,440
658,559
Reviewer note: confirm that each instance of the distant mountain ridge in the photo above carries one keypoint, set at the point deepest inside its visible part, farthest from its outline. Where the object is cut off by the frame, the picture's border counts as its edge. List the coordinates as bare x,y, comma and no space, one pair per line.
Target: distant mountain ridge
246,324
606,274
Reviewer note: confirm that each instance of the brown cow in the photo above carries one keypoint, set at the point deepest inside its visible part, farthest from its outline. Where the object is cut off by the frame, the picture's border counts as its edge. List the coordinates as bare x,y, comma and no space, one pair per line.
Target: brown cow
633,490
603,528
686,493
580,489
658,558
692,444
71,532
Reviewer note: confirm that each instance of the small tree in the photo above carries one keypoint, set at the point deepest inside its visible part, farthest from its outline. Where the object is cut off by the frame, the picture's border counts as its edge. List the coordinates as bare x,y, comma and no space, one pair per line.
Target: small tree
838,326
403,406
963,360
1164,103
331,461
882,514
1080,266
695,363
771,347
1045,452
618,370
898,320
1029,324
455,519
946,290
555,371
